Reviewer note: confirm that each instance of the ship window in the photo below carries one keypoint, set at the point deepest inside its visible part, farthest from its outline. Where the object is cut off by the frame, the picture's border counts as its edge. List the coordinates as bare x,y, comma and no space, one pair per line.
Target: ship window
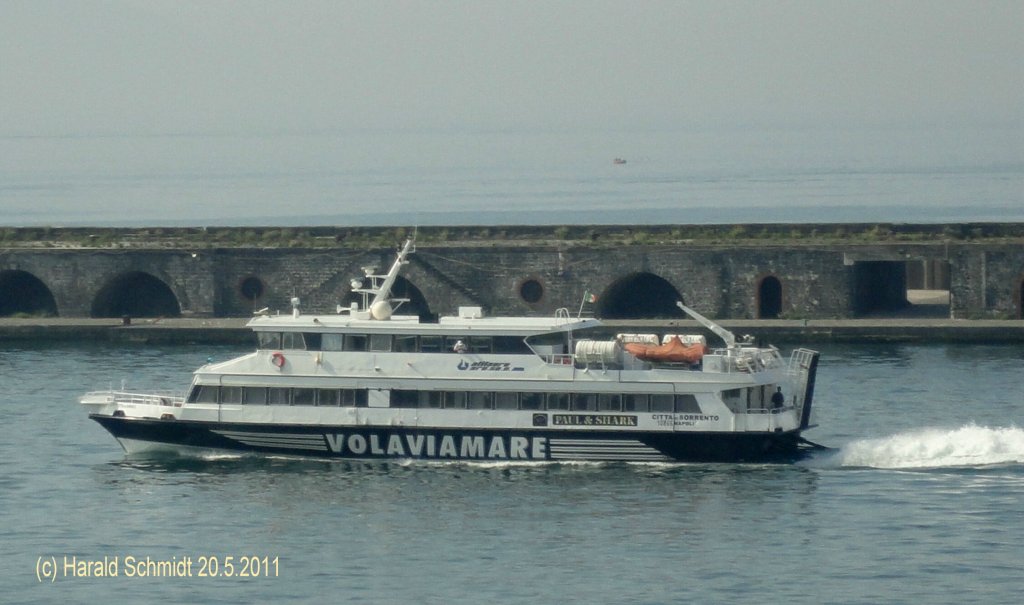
203,394
506,401
558,401
355,342
687,404
304,397
732,398
354,397
455,400
332,342
312,340
269,340
254,395
231,394
635,402
380,343
479,400
454,343
584,401
510,344
277,396
328,397
755,398
292,340
430,399
481,344
609,402
662,403
553,343
405,343
532,401
208,394
404,399
430,344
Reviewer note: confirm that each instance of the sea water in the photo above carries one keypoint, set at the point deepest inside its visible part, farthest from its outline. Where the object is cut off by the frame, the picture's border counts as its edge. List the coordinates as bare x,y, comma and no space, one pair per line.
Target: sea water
895,174
922,501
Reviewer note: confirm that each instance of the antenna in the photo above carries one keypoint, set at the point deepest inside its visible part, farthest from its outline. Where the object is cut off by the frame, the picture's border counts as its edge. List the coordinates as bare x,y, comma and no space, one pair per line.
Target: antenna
389,280
380,286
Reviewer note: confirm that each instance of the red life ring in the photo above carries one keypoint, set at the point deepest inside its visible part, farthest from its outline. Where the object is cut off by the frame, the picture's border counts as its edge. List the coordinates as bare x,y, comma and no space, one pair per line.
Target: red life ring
278,360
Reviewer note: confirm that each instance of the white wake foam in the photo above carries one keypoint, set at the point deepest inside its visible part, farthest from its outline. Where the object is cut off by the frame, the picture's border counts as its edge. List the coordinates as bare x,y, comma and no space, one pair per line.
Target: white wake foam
967,446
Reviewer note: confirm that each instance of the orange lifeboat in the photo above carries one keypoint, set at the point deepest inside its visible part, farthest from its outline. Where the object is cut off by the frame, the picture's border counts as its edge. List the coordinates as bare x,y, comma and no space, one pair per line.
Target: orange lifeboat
672,351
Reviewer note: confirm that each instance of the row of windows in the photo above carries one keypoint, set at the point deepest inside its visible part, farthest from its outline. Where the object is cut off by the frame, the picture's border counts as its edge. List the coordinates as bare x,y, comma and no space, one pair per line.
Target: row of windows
582,402
750,398
475,400
277,396
383,343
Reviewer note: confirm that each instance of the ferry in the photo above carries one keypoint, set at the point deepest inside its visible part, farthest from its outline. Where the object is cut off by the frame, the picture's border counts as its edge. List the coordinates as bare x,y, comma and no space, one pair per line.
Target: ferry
369,383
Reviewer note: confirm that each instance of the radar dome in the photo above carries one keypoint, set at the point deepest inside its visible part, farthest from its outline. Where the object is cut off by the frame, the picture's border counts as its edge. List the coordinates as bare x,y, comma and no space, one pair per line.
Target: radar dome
380,310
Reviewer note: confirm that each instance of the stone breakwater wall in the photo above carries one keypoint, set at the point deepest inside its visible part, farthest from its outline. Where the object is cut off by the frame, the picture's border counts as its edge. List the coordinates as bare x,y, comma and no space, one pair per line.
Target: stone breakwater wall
727,272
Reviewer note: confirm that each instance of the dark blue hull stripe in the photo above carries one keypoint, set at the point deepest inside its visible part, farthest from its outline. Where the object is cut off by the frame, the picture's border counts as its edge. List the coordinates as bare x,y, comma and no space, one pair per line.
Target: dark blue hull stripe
365,442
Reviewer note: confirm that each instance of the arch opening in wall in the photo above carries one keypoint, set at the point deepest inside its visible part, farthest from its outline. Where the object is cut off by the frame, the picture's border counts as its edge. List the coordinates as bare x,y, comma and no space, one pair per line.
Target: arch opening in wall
135,294
769,298
402,288
531,291
251,289
900,288
880,287
640,296
22,293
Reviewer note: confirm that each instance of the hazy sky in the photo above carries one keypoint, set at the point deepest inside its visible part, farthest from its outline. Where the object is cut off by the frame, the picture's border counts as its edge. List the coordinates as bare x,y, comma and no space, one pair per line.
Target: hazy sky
125,67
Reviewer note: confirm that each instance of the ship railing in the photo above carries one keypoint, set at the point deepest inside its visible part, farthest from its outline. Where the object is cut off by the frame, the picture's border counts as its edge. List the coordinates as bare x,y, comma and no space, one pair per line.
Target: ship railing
559,359
748,361
159,398
800,362
769,418
771,411
674,365
799,373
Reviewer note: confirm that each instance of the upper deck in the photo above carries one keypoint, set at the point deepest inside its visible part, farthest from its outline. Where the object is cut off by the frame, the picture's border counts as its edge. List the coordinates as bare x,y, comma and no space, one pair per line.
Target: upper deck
469,321
376,314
